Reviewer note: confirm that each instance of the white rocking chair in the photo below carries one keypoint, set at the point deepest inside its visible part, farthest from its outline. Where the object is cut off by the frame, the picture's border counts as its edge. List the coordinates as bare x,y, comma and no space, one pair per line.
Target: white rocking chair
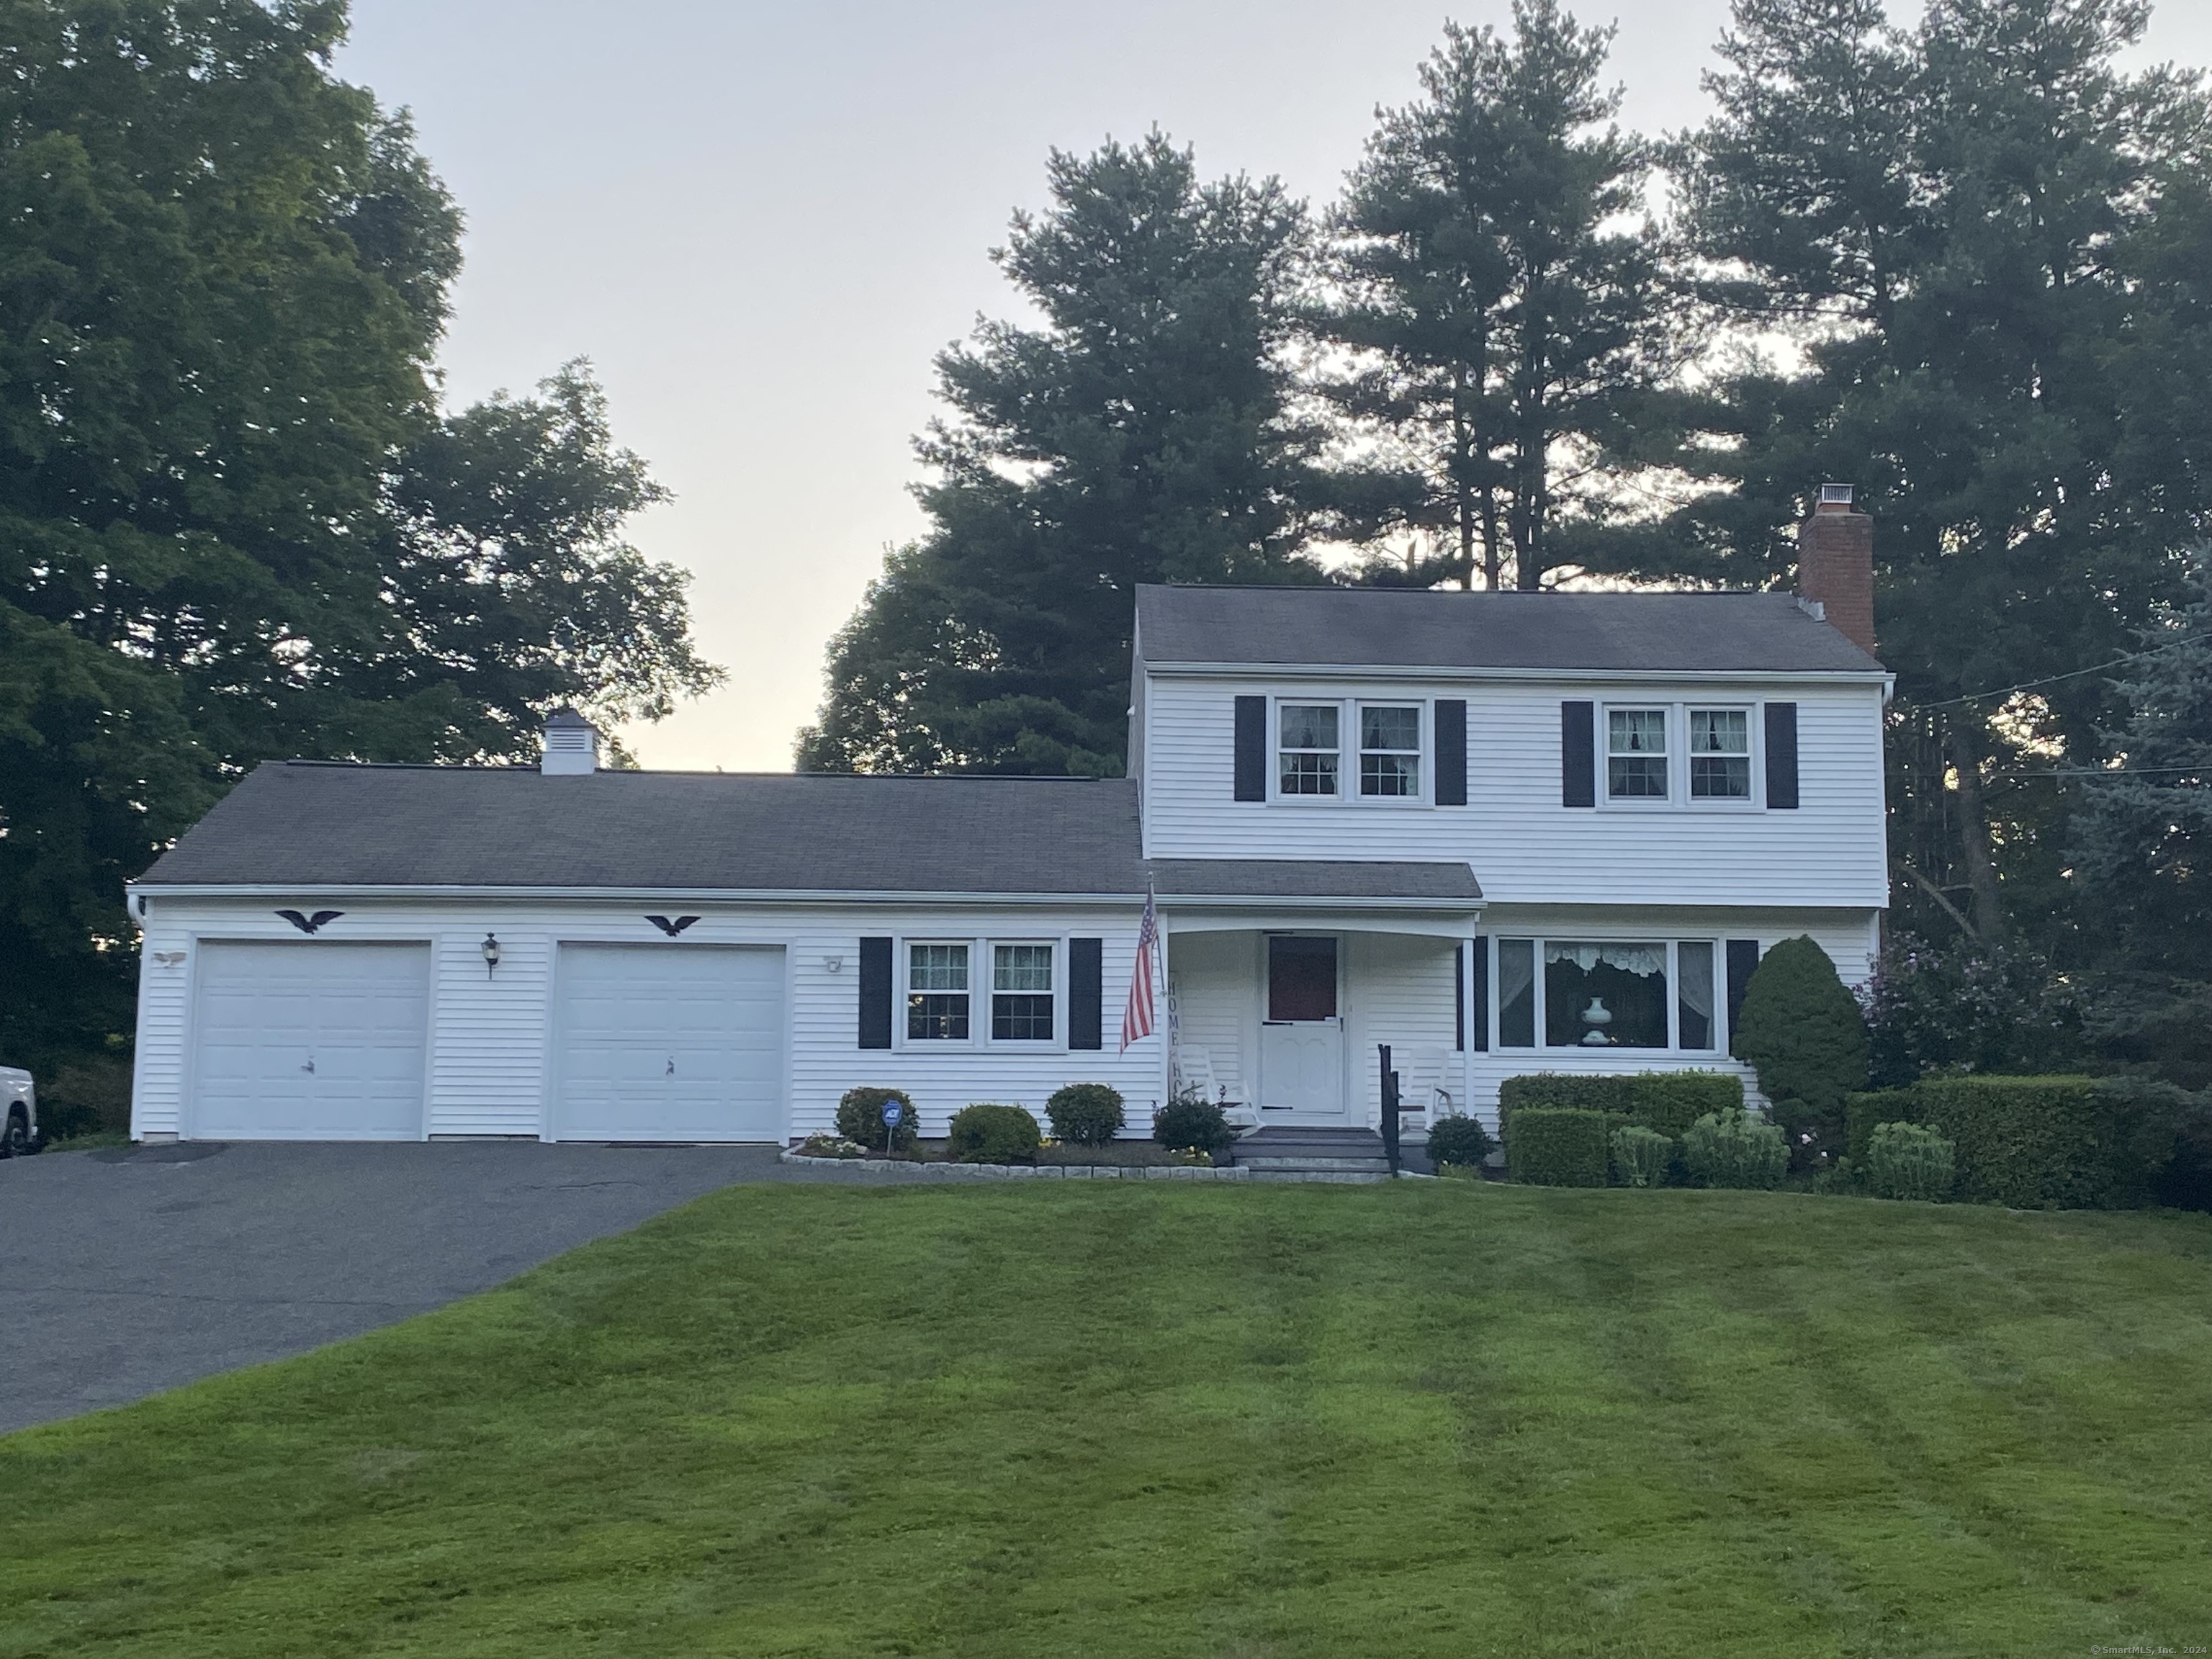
1194,1071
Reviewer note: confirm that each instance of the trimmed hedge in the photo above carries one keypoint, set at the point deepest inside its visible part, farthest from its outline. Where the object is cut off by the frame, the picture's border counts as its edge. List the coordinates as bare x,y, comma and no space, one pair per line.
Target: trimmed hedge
1668,1103
1192,1121
861,1117
2046,1143
1086,1114
992,1134
1641,1156
1560,1146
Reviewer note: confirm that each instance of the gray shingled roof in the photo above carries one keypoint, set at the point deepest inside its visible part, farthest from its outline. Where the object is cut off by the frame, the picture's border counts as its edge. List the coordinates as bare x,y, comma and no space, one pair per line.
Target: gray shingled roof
310,824
1383,627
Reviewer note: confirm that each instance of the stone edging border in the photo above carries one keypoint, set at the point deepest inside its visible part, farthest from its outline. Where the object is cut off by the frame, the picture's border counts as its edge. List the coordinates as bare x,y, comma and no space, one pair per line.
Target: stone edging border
1022,1172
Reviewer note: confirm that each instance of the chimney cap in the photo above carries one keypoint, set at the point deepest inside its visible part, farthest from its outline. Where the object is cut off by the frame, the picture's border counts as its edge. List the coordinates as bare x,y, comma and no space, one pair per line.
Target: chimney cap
1836,497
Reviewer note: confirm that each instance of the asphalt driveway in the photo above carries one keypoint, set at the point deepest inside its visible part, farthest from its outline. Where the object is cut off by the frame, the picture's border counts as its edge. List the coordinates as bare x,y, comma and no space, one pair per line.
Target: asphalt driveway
133,1270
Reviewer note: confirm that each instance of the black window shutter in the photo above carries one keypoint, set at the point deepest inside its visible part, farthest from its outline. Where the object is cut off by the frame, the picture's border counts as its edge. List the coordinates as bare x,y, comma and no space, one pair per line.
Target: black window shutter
1251,748
1577,754
1781,755
1743,959
1481,994
1451,752
1459,997
1086,974
875,993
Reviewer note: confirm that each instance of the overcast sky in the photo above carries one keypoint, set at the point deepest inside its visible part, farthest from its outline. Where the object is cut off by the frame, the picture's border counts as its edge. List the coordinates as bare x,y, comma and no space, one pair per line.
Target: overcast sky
760,221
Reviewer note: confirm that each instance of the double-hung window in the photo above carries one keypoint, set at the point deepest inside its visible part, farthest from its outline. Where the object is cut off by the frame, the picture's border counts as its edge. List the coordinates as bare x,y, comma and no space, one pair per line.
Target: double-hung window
1021,993
937,993
1636,754
1720,754
1390,751
1309,752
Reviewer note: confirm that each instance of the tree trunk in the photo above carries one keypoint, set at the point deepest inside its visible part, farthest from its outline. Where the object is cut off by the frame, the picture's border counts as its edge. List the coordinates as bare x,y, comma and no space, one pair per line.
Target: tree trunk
1463,504
1974,828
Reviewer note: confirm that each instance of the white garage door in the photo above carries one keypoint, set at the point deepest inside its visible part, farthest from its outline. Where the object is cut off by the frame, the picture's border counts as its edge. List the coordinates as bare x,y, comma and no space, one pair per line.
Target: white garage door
680,1042
309,1042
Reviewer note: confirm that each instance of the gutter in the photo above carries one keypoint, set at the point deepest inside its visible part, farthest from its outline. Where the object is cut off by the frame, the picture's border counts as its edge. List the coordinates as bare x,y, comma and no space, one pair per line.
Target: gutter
811,897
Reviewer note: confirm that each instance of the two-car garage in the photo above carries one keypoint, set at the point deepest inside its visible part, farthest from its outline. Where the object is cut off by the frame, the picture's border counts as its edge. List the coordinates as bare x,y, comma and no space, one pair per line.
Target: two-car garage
325,1040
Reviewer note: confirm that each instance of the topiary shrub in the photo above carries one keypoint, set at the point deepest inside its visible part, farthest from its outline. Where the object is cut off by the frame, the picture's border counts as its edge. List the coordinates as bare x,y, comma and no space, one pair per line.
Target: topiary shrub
1906,1160
1191,1120
992,1134
1560,1146
1460,1140
1086,1114
1667,1102
1862,1113
861,1117
1641,1156
1802,1032
1735,1152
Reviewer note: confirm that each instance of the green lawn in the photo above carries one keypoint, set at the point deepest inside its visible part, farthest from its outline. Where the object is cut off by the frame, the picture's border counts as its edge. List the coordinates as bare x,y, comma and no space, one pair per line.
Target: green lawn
1435,1418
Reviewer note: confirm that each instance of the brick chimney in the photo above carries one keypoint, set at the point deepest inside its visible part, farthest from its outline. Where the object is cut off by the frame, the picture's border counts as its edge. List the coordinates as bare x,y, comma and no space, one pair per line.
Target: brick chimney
1835,565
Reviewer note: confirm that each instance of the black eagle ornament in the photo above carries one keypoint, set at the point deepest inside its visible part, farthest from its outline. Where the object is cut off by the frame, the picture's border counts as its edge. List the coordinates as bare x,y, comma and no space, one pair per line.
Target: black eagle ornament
309,924
671,928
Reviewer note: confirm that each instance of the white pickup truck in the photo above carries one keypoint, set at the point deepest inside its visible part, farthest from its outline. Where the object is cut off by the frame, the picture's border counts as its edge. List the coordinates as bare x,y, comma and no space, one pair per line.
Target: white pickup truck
19,1100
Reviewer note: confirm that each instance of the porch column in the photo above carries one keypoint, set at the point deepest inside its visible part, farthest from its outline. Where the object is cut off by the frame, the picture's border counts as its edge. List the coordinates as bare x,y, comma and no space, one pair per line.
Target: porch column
1477,1019
1163,1023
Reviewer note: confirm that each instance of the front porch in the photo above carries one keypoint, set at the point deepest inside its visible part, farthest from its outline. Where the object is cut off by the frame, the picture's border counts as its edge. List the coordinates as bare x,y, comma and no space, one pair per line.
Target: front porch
1284,1025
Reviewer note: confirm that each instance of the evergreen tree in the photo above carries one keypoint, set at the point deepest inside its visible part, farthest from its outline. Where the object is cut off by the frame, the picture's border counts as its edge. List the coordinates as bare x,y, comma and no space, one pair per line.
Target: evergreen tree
1507,338
233,523
1801,1031
2143,847
1143,434
1967,229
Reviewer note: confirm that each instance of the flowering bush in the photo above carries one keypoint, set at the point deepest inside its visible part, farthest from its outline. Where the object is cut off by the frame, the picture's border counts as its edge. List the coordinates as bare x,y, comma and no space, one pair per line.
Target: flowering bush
831,1146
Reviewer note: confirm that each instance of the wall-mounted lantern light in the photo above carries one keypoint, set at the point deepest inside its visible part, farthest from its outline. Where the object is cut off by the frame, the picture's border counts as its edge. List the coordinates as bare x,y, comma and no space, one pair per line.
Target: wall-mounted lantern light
491,948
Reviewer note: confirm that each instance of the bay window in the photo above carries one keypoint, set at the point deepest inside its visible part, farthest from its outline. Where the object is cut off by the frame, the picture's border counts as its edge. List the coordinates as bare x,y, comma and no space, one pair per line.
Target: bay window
1585,994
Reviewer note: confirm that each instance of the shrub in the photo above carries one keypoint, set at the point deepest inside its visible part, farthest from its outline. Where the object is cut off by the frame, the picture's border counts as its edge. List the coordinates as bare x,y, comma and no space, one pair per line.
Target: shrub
1086,1114
1460,1141
1968,1006
1906,1160
1667,1102
992,1134
1559,1147
1735,1152
831,1146
1863,1111
861,1117
2050,1142
1191,1120
1641,1155
1802,1032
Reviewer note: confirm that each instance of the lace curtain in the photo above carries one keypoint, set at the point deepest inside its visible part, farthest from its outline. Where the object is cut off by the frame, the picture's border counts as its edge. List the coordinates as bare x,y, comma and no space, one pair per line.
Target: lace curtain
1642,960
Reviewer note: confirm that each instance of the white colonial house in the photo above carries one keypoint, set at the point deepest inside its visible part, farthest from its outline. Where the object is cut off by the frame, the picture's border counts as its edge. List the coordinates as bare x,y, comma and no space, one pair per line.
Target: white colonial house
1501,833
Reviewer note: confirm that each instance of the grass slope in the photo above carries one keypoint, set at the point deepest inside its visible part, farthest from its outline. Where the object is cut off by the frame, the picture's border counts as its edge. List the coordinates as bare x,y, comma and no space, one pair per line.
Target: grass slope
1430,1419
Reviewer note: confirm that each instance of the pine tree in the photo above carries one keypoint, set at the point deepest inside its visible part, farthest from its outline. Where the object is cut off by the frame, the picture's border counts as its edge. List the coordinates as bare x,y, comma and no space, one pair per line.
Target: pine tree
2143,847
1507,338
1143,434
1967,228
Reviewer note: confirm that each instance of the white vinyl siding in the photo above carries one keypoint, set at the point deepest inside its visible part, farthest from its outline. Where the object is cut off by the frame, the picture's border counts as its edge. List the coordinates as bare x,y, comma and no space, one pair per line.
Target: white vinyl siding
1524,846
493,1061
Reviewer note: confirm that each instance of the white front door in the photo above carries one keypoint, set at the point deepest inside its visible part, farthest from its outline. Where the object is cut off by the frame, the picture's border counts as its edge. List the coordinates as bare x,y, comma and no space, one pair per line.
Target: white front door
669,1042
1302,1033
308,1042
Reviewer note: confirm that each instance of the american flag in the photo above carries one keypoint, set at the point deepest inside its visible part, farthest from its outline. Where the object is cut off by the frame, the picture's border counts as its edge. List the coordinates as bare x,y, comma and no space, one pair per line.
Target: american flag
1137,1017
